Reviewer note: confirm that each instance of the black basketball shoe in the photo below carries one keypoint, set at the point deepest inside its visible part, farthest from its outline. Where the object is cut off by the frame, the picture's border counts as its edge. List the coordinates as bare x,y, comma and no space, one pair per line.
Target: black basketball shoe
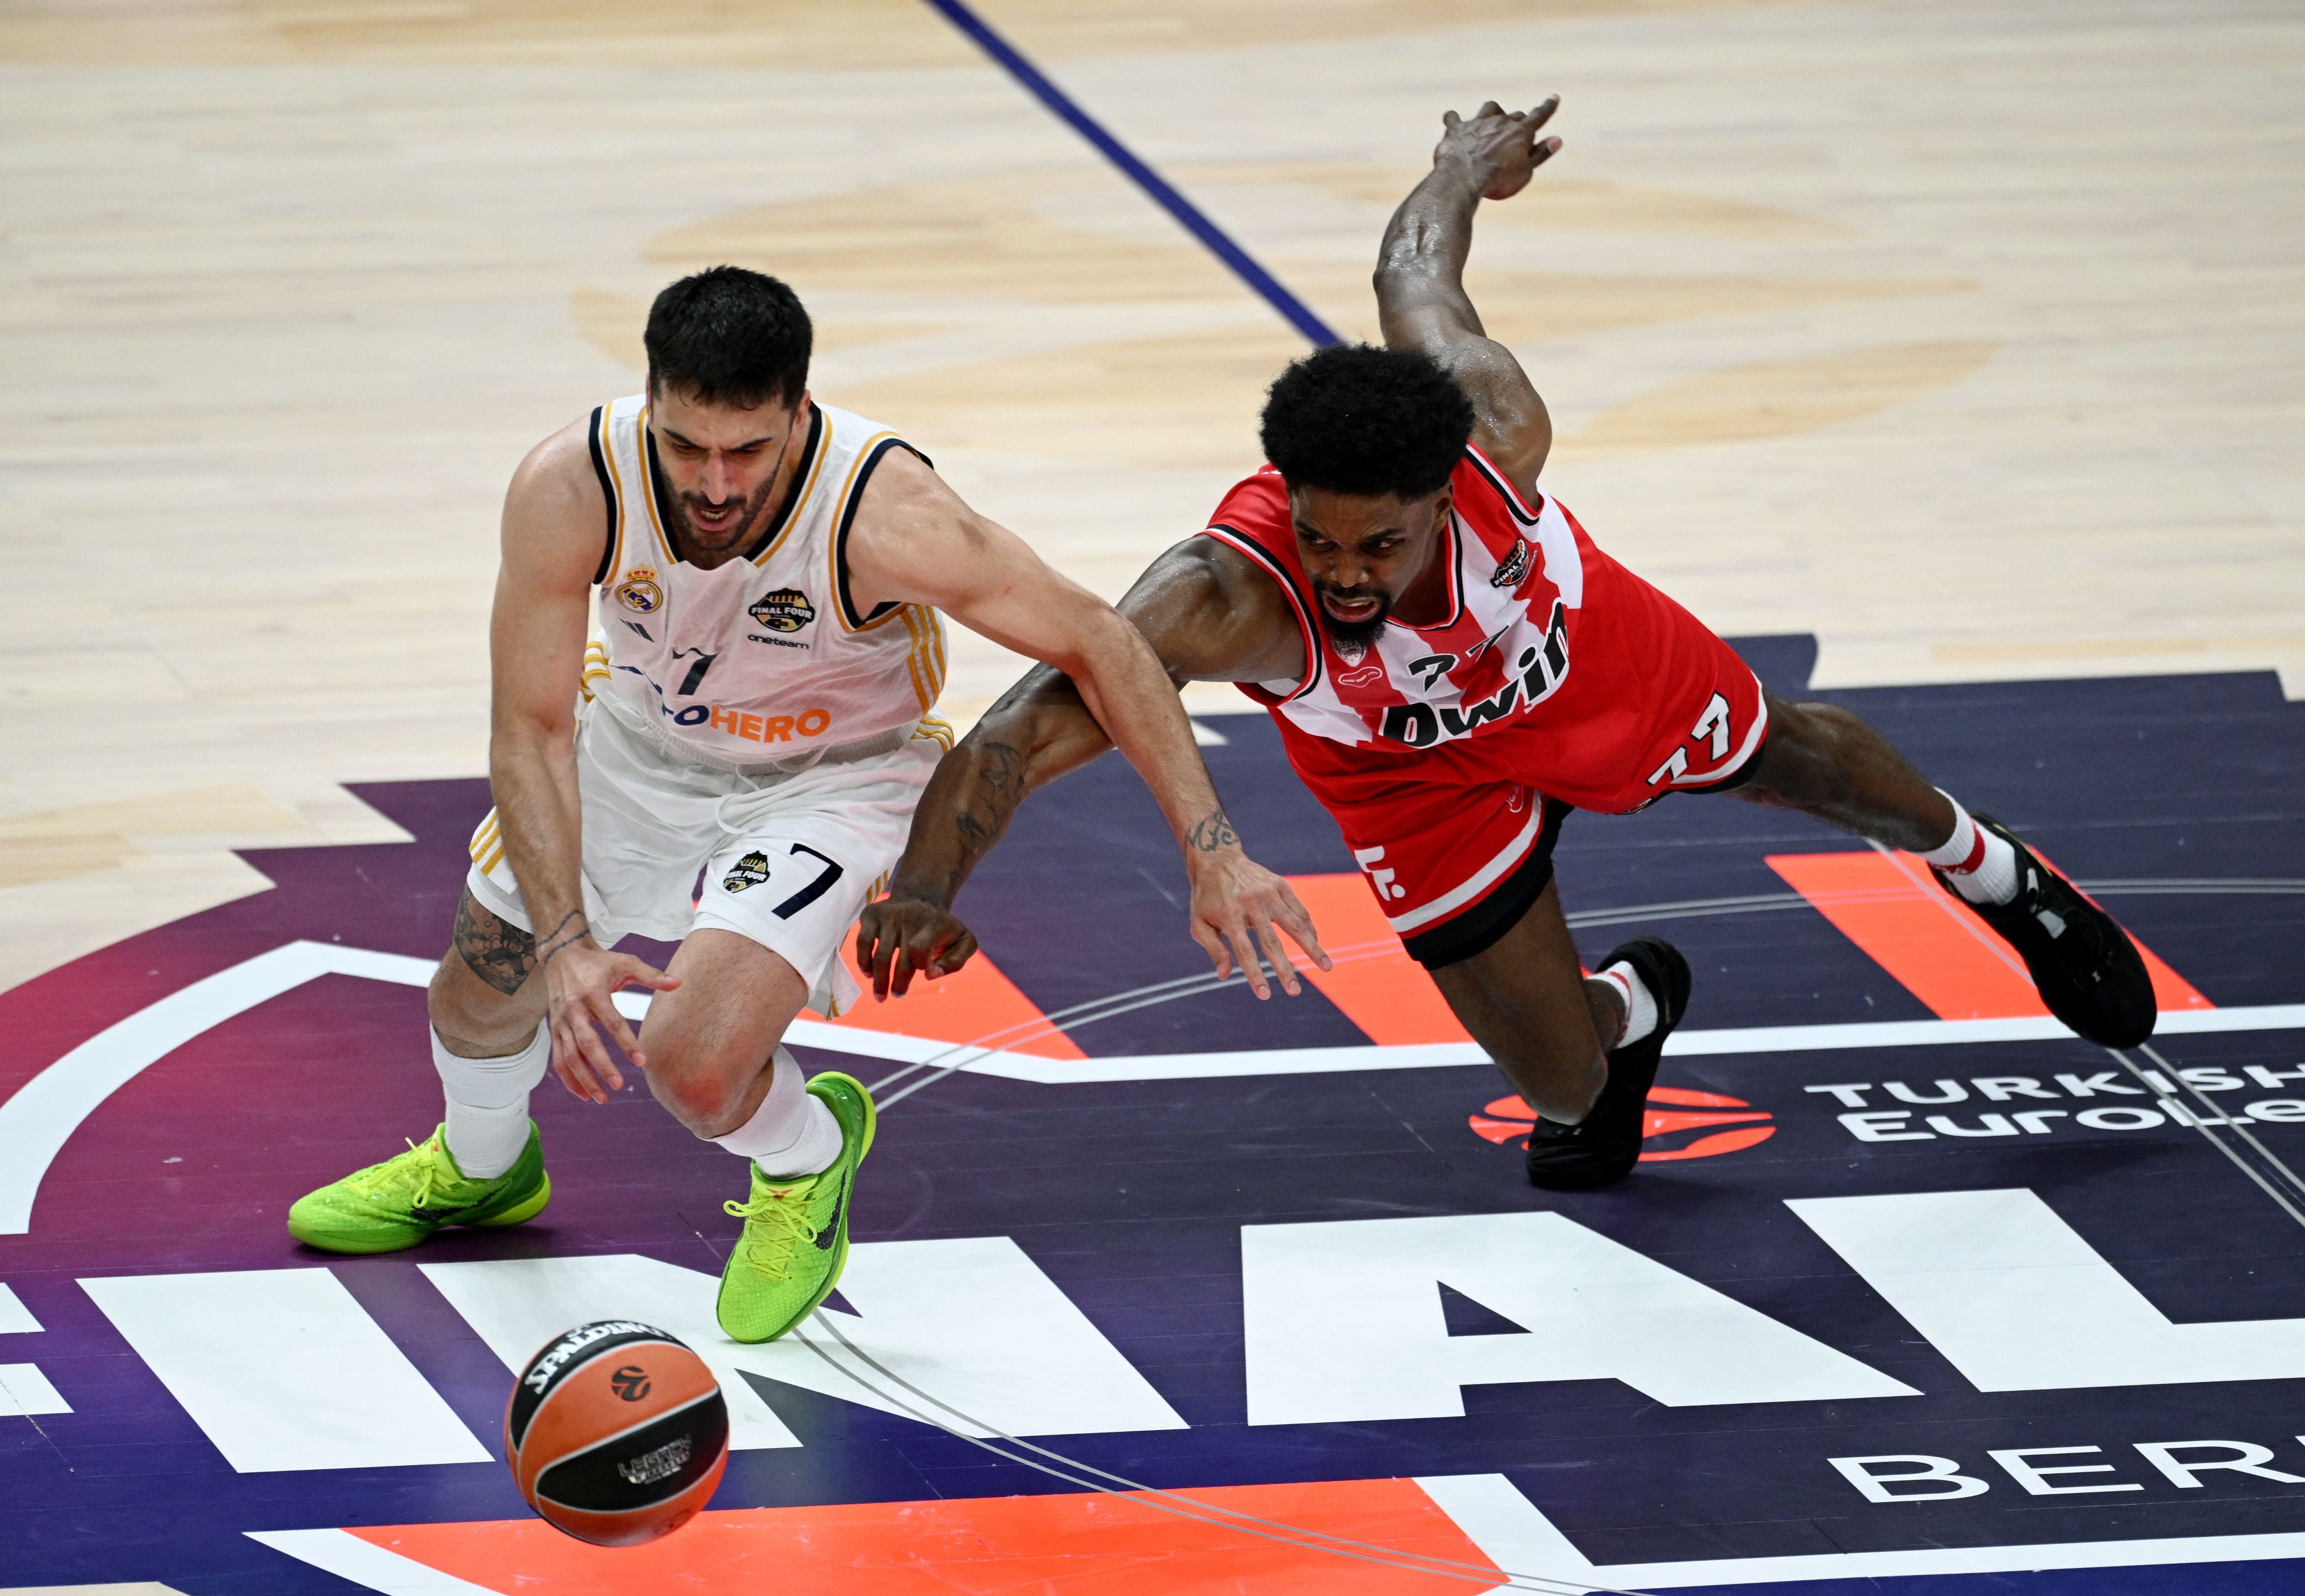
1604,1148
2086,968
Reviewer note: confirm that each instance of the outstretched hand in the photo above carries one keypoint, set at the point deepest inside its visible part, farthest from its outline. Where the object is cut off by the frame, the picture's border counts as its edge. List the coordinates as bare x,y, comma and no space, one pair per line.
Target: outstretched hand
1500,146
579,984
900,938
1239,908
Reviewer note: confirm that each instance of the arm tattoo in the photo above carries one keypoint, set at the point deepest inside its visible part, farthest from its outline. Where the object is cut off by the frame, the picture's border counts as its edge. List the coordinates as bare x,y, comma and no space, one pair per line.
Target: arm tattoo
1001,774
497,951
573,926
1213,833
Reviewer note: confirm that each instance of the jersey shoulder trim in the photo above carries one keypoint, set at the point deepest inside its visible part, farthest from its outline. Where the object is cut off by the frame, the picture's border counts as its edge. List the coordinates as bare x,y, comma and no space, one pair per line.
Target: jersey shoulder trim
851,494
594,438
813,455
1455,534
1505,490
1233,539
925,662
650,488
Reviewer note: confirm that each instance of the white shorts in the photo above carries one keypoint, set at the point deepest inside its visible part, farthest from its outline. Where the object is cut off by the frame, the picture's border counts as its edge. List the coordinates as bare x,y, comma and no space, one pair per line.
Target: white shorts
788,858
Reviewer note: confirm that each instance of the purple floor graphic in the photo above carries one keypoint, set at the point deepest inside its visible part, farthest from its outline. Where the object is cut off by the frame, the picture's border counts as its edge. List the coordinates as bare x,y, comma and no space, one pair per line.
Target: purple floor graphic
1972,1293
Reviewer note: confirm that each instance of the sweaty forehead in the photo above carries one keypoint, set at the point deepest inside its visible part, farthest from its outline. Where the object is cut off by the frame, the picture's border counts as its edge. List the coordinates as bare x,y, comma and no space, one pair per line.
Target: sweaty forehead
1351,518
720,426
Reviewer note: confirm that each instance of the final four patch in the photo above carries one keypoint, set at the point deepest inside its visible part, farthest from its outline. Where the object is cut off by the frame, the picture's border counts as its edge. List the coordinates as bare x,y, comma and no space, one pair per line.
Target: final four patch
787,610
1512,568
750,871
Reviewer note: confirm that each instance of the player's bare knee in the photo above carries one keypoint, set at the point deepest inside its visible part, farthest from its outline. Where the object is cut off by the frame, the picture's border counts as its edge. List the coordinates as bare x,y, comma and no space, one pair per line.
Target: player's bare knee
1562,1088
1574,1100
481,999
704,1093
473,1019
500,954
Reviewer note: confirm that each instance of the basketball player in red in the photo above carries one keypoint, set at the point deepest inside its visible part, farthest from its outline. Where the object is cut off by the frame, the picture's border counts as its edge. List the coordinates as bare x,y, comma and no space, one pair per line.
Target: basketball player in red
1454,667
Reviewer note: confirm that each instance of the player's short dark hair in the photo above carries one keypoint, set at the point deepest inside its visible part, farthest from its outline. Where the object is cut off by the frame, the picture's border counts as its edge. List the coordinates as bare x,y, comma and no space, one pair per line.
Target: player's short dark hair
729,336
1359,420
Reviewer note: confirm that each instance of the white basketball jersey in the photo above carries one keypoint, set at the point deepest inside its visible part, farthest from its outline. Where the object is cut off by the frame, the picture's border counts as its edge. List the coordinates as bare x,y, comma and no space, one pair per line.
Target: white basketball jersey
765,656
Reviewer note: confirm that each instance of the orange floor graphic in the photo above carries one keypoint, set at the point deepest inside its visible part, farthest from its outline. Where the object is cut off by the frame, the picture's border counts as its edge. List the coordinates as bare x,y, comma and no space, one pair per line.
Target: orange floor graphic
975,1004
1884,902
1069,1545
1890,905
1377,984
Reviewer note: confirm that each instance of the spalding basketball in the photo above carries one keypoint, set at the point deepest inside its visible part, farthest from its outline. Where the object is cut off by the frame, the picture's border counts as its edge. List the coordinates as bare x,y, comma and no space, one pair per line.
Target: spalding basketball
617,1433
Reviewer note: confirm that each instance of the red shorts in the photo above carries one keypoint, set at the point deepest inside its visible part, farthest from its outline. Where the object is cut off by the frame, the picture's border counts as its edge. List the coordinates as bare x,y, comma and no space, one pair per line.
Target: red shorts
1456,840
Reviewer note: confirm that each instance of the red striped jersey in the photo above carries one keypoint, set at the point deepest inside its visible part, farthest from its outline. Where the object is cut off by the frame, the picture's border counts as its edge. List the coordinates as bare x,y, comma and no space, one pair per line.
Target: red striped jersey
1553,664
1517,588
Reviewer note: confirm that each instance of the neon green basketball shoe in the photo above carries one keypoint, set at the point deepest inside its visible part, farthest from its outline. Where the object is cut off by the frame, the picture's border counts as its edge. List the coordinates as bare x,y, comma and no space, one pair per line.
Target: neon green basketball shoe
796,1236
403,1200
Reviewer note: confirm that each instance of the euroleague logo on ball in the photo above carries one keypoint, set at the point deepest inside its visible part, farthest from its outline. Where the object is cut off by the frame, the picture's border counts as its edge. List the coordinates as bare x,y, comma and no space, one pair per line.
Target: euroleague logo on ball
1680,1124
615,1452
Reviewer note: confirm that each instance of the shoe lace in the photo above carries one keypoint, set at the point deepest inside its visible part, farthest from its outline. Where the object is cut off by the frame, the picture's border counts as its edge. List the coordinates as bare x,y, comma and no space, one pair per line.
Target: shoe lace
395,1171
775,1226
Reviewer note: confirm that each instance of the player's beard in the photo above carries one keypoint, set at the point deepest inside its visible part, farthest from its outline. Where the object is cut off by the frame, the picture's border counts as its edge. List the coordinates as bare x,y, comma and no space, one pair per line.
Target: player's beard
1353,639
746,523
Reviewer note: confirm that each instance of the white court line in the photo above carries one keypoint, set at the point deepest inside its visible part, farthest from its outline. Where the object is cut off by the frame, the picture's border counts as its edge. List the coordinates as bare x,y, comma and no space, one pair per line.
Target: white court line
283,1370
25,1391
366,1564
36,1122
1684,1044
1516,1534
15,1319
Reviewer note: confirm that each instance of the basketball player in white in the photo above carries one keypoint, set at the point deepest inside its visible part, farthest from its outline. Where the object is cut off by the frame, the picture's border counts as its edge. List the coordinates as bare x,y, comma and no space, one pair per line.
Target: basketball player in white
758,707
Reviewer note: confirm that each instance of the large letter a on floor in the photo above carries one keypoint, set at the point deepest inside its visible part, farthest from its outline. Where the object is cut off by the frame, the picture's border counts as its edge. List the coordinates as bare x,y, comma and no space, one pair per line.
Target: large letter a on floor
1345,1322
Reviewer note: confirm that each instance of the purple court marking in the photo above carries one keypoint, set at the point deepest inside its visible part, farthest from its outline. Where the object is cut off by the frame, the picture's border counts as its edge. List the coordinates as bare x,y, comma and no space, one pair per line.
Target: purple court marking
1132,1199
1190,217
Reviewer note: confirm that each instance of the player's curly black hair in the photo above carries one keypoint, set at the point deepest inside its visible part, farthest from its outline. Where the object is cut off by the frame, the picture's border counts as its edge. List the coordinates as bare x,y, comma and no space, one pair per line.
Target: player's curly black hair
1359,420
729,336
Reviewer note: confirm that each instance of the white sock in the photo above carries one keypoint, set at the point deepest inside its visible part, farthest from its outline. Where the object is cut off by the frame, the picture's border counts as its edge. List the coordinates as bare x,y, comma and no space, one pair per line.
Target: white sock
1981,867
487,1103
1640,1004
791,1133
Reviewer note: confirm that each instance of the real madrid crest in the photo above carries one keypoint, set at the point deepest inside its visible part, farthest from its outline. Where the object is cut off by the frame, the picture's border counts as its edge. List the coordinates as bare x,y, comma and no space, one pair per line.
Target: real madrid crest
639,593
787,610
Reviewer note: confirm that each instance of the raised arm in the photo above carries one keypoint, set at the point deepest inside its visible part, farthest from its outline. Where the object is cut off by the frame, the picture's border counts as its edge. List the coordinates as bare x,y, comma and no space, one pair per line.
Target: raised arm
1100,686
1420,278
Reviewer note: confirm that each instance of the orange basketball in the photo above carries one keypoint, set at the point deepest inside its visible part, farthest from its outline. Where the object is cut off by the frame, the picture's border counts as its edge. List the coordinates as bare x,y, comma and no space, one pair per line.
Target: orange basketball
617,1433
